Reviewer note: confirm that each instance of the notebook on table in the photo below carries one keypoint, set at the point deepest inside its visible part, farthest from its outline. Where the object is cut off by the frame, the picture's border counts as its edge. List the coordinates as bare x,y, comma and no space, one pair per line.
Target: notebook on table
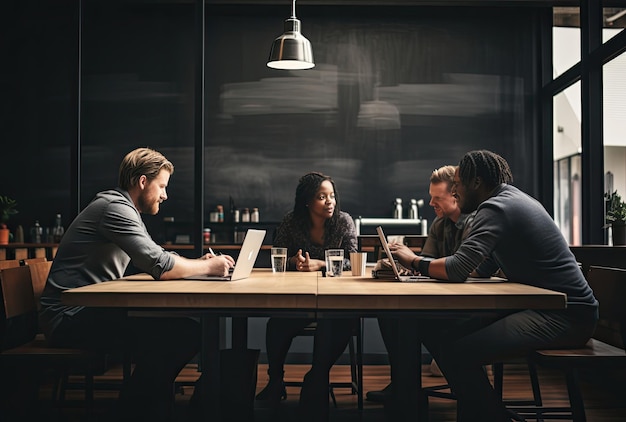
392,261
245,261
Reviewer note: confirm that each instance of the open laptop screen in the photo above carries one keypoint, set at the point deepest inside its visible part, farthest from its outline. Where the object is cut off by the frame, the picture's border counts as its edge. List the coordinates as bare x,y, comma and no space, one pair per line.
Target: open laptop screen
245,261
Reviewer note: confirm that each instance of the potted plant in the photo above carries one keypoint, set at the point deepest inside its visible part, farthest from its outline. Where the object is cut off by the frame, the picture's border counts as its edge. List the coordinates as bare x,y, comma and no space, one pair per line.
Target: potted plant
7,209
616,217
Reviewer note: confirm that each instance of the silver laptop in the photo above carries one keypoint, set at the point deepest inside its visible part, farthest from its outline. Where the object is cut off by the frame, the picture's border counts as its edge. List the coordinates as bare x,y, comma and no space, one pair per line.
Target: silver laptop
398,277
245,262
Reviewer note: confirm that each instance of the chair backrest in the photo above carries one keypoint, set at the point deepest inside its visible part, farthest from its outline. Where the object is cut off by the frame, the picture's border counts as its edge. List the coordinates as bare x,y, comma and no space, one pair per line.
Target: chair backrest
37,259
609,287
19,311
8,263
38,275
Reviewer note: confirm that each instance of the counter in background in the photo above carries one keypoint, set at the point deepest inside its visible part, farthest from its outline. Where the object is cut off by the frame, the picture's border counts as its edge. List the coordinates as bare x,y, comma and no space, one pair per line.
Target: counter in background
28,250
414,226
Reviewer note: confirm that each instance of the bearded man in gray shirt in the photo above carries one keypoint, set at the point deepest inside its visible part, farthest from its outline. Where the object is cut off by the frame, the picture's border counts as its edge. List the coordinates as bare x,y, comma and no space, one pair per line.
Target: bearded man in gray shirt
520,236
97,247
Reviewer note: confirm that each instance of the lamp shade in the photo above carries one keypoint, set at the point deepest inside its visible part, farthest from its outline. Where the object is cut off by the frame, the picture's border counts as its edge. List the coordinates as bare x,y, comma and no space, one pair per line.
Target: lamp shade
291,51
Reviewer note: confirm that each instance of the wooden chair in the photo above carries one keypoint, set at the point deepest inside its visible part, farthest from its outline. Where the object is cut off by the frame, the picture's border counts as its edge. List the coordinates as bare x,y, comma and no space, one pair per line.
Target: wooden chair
32,260
39,269
601,353
9,263
38,274
356,365
24,358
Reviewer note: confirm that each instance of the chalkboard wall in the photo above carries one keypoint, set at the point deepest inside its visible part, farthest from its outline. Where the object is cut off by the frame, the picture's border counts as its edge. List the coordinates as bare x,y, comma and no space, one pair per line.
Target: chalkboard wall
395,93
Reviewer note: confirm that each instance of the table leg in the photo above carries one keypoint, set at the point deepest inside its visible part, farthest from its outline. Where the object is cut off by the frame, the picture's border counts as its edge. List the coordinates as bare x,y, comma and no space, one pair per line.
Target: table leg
240,333
407,377
210,365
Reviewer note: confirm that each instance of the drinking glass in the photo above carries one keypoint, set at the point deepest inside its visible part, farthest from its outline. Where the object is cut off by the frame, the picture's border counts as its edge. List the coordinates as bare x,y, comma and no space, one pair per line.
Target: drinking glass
334,262
279,260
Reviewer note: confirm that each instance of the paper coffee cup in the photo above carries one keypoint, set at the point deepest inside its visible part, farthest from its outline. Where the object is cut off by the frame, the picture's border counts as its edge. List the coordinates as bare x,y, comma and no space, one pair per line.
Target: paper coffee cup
357,262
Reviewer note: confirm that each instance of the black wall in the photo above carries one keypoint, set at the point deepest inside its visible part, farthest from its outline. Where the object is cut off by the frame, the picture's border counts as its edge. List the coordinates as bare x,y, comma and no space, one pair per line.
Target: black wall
438,82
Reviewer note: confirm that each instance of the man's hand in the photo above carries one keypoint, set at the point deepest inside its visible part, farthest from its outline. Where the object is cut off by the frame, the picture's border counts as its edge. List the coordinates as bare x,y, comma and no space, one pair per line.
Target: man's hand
403,254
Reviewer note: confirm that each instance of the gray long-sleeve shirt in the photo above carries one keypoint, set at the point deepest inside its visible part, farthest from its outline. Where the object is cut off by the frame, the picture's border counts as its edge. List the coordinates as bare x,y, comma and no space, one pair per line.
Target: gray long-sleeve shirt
525,242
445,236
97,247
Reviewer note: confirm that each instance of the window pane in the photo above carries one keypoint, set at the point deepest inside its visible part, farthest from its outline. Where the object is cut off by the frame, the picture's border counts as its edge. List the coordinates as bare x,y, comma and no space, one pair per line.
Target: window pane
565,39
567,117
614,109
567,150
566,34
614,21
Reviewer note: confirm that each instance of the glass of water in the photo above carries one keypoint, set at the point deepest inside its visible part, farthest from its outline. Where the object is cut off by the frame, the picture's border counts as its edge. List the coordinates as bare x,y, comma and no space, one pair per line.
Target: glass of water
334,262
279,260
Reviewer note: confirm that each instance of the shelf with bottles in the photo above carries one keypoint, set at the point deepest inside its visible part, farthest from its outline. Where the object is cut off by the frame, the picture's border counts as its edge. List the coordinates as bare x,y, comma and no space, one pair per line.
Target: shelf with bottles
233,232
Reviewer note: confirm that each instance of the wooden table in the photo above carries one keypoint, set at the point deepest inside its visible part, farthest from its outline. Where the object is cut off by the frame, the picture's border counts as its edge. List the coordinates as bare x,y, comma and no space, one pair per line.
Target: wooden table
263,290
365,295
304,294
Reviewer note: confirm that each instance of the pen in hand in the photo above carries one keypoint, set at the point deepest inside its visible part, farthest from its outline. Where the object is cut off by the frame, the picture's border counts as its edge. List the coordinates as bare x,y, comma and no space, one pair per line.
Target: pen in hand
213,253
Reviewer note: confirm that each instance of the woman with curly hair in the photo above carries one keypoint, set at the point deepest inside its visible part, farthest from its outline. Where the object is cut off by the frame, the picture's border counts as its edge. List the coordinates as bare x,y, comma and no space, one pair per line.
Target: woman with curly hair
315,224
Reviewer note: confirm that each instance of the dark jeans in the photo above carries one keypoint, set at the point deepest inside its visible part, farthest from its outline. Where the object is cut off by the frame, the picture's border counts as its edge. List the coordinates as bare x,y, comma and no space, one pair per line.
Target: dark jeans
331,338
160,348
279,335
462,346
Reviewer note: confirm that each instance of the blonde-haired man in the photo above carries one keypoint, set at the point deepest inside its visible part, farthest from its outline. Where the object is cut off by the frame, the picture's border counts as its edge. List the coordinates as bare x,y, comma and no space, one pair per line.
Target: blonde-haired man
97,247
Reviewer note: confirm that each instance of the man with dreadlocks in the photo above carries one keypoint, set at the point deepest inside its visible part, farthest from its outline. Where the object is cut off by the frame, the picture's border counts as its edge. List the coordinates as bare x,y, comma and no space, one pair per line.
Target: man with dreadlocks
517,232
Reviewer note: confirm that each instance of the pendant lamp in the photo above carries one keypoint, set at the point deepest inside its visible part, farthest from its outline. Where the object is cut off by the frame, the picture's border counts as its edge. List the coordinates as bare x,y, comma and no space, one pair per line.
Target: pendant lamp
291,51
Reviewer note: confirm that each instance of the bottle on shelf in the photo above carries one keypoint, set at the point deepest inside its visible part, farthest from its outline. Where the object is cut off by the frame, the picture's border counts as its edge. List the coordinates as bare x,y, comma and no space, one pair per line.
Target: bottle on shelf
19,234
220,213
397,211
36,232
239,234
413,214
254,217
214,216
57,231
234,212
206,235
245,215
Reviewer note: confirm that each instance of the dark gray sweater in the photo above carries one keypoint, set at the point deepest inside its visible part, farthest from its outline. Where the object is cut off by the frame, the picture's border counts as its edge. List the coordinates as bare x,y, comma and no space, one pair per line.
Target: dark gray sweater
525,242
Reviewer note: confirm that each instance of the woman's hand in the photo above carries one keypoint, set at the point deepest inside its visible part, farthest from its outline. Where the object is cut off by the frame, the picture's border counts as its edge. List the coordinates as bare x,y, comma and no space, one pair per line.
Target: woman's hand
305,263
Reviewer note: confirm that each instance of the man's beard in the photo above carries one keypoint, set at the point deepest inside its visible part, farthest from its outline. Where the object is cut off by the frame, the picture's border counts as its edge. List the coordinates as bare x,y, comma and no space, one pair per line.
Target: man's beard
148,207
470,202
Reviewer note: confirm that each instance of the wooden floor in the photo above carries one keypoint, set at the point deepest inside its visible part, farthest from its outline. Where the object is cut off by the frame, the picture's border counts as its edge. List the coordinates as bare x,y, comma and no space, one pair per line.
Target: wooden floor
603,404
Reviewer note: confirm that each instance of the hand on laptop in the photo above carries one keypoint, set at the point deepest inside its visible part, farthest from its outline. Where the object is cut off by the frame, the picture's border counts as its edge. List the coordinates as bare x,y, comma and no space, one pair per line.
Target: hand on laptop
219,264
402,253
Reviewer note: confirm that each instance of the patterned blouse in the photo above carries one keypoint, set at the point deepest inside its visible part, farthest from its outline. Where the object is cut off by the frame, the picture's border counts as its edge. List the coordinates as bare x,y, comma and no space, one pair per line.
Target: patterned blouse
294,235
